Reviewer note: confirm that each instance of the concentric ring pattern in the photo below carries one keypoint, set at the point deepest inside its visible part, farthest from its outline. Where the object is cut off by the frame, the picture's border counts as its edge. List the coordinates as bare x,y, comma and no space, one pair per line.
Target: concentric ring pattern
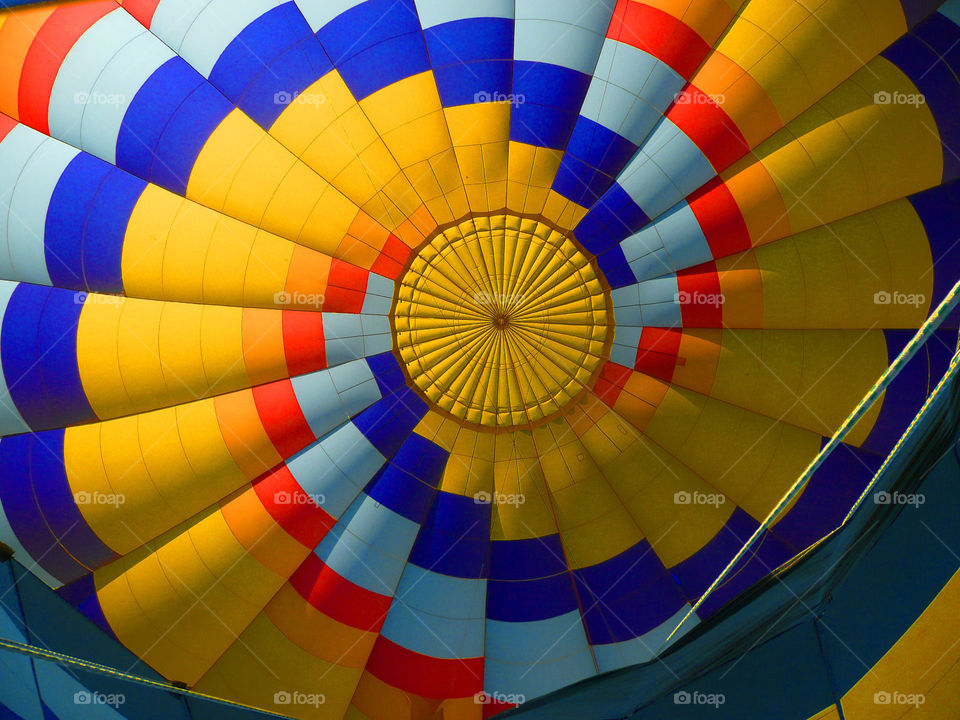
501,321
393,351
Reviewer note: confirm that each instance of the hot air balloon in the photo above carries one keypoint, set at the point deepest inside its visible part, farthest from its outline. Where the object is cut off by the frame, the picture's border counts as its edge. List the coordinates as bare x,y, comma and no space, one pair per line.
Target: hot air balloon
419,358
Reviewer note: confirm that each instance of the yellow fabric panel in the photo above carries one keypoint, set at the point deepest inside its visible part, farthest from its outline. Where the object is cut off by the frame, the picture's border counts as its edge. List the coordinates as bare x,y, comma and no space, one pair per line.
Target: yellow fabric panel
563,212
603,436
98,358
317,633
697,358
639,399
163,466
925,661
270,260
758,198
439,181
377,700
245,173
181,351
221,335
183,257
160,360
180,605
264,539
750,458
469,469
438,429
591,519
122,585
759,371
831,276
146,515
86,474
264,662
138,349
739,275
651,484
145,240
464,472
518,475
409,118
847,154
942,700
481,136
136,355
530,174
336,139
797,52
226,264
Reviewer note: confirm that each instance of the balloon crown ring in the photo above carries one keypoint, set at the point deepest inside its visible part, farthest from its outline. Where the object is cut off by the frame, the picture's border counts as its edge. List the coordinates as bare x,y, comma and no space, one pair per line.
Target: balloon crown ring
502,321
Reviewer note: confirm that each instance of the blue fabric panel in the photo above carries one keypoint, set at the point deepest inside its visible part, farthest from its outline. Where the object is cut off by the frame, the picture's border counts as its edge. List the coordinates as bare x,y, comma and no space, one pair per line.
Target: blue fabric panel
627,595
527,600
939,211
918,55
615,217
167,125
455,537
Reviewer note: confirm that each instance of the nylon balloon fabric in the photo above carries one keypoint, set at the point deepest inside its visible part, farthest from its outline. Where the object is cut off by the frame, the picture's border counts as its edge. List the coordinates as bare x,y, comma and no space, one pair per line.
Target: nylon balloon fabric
381,359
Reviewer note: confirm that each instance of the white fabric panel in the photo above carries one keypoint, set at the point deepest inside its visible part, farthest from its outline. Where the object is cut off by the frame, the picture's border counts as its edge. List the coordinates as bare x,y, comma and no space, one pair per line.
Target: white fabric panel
438,12
115,89
534,658
172,19
28,204
369,546
73,90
